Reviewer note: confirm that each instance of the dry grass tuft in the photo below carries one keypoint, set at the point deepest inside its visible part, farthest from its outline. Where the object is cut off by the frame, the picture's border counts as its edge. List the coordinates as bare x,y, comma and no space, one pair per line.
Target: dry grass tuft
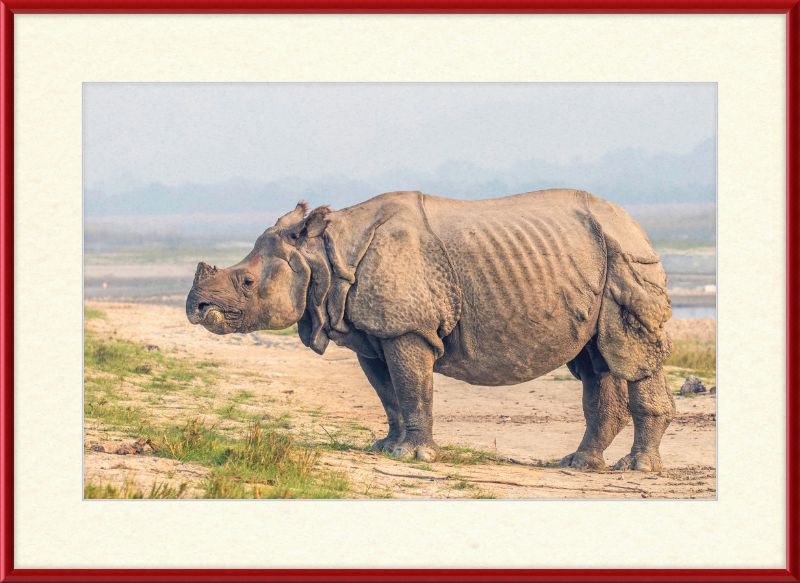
696,356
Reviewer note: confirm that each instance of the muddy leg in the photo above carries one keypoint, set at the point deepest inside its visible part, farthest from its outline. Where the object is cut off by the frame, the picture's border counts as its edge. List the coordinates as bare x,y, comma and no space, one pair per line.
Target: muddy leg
653,408
410,362
605,406
378,376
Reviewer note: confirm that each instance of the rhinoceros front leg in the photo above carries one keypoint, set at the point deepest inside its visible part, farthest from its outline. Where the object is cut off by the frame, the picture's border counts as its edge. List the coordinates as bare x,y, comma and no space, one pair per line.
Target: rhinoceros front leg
410,361
378,375
653,408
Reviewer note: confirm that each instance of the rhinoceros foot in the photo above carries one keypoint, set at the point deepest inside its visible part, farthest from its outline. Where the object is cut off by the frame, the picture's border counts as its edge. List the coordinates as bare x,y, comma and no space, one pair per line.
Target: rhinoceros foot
385,444
427,451
640,462
582,460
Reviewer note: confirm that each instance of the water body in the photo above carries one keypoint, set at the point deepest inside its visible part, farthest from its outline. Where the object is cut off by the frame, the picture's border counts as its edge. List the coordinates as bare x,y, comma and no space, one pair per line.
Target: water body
693,312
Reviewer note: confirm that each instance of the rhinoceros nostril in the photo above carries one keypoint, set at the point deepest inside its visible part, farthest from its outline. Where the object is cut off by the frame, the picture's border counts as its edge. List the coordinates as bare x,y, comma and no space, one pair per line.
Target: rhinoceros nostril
202,307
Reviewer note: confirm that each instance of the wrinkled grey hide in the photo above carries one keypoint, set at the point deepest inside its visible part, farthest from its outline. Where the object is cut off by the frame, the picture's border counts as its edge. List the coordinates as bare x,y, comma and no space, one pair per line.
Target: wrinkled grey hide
492,292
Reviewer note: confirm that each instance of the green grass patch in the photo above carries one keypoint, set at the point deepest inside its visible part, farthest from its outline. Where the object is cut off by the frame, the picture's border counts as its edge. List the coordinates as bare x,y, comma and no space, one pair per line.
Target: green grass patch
457,455
103,408
347,434
285,332
564,377
118,357
154,400
553,463
123,359
265,464
92,314
201,393
243,396
486,496
235,412
700,357
129,490
341,441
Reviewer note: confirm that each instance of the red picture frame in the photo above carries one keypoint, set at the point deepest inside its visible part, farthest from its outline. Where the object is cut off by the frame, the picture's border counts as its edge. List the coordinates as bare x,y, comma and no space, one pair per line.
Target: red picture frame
791,8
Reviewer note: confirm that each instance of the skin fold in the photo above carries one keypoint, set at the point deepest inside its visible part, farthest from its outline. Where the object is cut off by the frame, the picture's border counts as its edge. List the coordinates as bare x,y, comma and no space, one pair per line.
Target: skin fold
494,292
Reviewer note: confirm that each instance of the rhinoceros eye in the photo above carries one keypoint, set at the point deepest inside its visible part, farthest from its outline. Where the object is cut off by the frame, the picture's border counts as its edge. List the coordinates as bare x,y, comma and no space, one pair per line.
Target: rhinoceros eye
248,281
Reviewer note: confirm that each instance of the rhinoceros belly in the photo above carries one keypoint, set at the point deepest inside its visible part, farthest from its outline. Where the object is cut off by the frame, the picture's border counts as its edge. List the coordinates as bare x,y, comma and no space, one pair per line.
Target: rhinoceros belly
531,269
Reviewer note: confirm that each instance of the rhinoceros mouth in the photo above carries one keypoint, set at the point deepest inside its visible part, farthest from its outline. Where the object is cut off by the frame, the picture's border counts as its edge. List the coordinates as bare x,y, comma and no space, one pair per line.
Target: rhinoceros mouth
213,320
213,317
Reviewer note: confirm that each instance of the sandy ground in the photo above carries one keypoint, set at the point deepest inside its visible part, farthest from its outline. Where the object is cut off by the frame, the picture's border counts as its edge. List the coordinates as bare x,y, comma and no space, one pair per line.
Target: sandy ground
527,425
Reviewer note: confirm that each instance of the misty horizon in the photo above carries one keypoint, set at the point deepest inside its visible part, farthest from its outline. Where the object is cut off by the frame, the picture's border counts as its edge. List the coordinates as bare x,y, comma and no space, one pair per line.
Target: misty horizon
626,177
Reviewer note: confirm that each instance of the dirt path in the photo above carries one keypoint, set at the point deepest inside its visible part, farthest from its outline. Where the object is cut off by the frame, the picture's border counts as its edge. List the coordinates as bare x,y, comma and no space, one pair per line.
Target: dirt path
527,425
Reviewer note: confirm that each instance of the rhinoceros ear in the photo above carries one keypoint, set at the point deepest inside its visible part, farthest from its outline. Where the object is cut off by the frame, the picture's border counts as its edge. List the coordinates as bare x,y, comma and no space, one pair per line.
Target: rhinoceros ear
311,226
317,221
289,219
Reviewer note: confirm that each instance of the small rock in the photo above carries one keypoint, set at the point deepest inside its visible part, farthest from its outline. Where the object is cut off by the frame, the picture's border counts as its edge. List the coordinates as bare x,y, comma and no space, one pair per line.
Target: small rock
692,385
151,347
712,391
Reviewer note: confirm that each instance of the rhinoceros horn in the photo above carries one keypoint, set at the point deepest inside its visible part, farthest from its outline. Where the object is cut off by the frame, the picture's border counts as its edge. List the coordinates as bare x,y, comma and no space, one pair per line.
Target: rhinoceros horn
204,270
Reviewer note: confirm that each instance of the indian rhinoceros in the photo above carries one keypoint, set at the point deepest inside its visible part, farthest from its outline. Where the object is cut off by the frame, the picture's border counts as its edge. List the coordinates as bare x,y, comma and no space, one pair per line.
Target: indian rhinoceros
491,292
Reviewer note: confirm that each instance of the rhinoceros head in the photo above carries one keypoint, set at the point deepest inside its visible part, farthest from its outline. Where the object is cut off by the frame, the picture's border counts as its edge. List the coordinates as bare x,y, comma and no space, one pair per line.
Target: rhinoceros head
267,289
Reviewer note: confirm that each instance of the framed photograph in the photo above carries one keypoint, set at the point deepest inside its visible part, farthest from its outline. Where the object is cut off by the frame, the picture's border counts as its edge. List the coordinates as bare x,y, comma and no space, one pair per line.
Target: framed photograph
491,371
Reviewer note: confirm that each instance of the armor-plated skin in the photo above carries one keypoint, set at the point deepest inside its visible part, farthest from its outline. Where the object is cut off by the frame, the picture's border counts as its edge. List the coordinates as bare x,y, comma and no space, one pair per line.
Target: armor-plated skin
493,292
538,269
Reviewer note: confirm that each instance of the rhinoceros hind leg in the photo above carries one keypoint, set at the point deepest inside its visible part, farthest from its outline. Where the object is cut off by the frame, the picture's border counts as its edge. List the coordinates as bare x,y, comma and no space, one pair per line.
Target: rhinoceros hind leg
378,376
410,359
605,406
653,408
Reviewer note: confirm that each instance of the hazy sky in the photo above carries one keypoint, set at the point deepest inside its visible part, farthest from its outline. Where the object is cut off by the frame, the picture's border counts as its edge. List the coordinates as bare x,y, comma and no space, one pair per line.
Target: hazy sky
208,133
